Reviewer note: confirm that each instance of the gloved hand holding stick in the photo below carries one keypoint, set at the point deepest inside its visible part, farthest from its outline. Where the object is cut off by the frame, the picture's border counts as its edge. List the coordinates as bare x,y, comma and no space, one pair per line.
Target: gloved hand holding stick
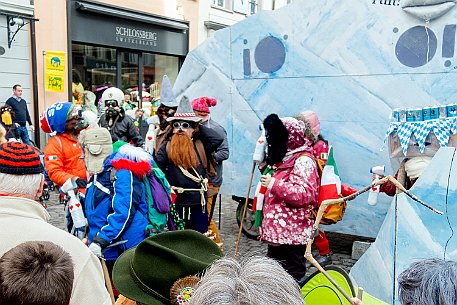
326,203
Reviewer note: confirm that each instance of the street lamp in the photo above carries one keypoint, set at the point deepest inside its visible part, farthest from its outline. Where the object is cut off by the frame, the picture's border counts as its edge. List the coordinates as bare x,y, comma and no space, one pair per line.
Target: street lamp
15,21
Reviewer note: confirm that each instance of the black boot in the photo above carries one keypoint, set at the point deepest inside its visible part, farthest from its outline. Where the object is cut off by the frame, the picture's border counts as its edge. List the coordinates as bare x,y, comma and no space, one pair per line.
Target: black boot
325,260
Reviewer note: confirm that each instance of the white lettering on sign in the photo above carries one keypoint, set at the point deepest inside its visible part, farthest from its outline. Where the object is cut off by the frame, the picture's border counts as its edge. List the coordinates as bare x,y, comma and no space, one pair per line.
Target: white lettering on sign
136,36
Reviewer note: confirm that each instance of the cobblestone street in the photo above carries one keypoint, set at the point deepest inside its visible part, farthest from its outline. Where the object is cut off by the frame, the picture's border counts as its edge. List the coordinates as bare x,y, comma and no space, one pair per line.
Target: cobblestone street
340,244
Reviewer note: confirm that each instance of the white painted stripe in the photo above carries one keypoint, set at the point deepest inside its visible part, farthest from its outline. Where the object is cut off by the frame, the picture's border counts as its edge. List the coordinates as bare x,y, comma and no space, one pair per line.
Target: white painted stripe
329,177
112,206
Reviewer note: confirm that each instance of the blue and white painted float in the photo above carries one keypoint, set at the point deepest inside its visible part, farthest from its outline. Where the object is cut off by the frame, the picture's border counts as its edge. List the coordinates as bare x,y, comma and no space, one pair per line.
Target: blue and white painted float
351,61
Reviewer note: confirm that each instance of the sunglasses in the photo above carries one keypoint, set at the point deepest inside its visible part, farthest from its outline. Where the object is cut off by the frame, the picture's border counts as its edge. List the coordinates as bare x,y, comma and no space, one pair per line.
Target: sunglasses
111,104
182,125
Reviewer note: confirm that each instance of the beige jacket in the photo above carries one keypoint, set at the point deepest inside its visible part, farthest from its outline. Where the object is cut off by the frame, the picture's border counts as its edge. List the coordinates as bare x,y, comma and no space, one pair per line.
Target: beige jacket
25,220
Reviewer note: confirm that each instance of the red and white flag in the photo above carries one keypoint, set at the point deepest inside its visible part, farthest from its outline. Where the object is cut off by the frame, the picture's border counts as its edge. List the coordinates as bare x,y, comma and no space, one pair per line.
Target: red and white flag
330,180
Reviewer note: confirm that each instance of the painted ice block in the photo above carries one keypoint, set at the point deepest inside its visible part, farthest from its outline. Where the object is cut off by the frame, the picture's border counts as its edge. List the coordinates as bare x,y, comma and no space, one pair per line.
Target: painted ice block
350,61
412,232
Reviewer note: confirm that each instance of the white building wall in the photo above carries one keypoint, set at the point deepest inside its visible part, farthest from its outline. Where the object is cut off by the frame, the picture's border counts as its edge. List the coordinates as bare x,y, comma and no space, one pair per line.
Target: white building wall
15,63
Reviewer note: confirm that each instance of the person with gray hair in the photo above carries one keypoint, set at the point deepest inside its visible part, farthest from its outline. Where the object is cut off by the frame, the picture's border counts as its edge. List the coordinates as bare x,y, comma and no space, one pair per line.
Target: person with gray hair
24,219
252,281
429,282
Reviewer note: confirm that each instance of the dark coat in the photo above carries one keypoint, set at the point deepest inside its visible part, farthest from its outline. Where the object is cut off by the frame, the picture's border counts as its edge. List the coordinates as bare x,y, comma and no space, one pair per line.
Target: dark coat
123,130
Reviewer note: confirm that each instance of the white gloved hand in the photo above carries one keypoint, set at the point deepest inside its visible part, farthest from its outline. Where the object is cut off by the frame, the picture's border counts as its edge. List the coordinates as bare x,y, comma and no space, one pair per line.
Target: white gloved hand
96,249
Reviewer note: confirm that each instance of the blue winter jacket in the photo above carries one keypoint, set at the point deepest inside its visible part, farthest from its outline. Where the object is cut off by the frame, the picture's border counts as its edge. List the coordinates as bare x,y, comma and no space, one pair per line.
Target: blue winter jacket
116,212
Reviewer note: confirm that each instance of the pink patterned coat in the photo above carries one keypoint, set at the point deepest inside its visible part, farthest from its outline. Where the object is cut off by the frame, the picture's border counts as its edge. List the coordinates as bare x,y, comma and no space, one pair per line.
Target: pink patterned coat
291,193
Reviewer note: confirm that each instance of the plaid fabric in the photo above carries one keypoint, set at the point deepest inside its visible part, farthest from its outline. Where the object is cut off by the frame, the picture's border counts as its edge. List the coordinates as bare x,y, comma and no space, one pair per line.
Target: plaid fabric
442,128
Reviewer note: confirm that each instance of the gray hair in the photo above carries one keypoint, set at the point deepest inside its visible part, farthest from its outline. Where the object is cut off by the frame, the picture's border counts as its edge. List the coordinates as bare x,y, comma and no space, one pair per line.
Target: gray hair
429,282
253,281
20,184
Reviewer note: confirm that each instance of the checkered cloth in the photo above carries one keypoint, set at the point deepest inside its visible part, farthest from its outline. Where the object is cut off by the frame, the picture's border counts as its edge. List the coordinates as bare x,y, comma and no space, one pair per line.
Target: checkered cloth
442,128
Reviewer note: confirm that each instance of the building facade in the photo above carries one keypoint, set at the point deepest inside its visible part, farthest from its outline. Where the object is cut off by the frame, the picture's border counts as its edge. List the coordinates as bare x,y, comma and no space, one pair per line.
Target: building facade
129,44
16,49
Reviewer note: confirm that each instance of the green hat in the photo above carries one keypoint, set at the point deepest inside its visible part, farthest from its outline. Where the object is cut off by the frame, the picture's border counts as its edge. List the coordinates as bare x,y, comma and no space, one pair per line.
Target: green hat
146,273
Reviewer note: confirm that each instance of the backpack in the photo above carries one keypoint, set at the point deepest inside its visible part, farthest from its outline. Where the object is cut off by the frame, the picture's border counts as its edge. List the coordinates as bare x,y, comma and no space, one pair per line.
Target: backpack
161,213
334,212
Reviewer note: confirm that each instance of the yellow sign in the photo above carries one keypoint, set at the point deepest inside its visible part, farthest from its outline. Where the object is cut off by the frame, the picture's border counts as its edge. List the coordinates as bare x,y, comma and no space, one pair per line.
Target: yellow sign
55,71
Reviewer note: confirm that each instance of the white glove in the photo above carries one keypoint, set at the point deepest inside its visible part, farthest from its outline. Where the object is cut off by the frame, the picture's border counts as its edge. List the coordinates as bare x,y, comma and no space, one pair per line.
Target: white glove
96,249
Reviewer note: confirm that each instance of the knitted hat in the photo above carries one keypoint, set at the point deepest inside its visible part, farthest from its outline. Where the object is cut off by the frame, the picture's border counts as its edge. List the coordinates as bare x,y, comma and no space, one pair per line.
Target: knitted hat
311,118
19,159
203,103
296,130
54,118
184,112
147,272
167,98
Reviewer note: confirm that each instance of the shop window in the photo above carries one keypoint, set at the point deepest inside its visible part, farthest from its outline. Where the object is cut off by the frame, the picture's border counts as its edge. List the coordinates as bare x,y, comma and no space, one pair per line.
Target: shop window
154,68
96,67
93,67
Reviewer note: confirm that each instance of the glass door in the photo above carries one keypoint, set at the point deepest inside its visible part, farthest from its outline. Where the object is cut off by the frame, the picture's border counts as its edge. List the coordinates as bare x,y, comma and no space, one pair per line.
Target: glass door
129,75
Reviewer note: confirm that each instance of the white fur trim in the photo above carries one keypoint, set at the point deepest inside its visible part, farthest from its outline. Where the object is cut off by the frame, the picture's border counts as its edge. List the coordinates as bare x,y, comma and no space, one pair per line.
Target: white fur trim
135,153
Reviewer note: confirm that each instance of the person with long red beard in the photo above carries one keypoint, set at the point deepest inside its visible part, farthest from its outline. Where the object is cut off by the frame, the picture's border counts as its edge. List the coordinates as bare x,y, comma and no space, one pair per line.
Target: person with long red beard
183,159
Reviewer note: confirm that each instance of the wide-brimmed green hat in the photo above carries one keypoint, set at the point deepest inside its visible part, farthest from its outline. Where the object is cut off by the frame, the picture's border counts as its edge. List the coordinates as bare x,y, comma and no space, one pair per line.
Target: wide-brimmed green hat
146,273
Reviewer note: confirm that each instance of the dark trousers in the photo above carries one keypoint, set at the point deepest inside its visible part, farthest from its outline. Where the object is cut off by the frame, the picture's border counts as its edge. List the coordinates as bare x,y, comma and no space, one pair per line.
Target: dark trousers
195,217
291,257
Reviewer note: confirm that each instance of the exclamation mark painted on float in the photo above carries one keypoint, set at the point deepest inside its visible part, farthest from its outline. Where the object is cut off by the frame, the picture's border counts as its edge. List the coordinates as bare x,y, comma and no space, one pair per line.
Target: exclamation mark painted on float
448,43
246,60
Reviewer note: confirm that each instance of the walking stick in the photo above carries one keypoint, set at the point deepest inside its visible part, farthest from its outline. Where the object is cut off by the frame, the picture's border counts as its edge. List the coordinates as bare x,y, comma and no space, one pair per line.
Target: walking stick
109,287
244,210
326,203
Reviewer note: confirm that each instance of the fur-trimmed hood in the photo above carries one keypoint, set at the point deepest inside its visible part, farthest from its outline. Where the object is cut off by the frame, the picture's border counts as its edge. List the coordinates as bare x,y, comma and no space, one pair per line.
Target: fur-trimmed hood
131,158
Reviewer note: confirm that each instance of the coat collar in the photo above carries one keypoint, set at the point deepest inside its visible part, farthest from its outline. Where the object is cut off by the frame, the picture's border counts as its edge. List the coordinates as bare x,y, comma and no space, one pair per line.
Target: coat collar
23,207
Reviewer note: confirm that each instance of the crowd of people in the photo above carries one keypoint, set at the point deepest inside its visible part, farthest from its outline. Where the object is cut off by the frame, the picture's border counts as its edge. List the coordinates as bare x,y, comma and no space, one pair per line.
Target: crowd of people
148,231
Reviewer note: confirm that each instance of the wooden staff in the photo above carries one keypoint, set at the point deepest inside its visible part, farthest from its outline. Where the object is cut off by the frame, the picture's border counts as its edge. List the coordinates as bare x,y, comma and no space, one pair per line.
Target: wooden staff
109,287
244,210
326,203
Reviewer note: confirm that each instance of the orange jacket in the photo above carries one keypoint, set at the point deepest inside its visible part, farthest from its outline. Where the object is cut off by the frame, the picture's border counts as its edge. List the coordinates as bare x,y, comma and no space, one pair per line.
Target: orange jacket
63,159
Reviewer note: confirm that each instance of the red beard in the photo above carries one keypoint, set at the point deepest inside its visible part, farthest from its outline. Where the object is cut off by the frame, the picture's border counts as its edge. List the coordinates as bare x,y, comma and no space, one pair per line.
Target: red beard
182,152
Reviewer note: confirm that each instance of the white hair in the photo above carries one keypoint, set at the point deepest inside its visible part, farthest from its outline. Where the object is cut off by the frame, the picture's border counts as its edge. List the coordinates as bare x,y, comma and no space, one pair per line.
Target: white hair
253,281
20,184
429,282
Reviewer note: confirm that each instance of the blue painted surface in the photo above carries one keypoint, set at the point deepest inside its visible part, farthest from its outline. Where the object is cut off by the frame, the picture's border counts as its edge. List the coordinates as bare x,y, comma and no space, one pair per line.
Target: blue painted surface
412,232
350,61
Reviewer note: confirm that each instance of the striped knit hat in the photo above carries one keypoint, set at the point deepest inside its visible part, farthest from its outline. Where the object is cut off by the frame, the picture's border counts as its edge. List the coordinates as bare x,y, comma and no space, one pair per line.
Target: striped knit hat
19,159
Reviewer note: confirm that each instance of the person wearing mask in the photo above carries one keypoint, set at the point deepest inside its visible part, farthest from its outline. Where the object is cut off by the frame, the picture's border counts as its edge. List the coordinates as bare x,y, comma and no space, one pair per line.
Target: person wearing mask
62,154
201,107
7,115
22,115
183,157
120,126
292,183
115,205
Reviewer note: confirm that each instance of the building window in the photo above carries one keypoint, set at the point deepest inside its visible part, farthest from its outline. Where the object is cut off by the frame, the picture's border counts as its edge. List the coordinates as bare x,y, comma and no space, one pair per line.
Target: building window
96,67
252,7
220,3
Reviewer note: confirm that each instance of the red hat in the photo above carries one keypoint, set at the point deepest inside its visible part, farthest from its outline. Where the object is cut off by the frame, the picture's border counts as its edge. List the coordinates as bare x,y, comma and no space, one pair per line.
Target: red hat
19,159
203,103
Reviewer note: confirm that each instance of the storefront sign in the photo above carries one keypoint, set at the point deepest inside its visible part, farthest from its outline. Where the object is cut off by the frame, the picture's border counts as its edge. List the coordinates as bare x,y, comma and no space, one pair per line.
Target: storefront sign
96,27
55,71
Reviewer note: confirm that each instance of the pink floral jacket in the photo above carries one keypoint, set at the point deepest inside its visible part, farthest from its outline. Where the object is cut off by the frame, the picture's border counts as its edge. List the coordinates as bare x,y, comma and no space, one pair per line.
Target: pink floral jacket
291,193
